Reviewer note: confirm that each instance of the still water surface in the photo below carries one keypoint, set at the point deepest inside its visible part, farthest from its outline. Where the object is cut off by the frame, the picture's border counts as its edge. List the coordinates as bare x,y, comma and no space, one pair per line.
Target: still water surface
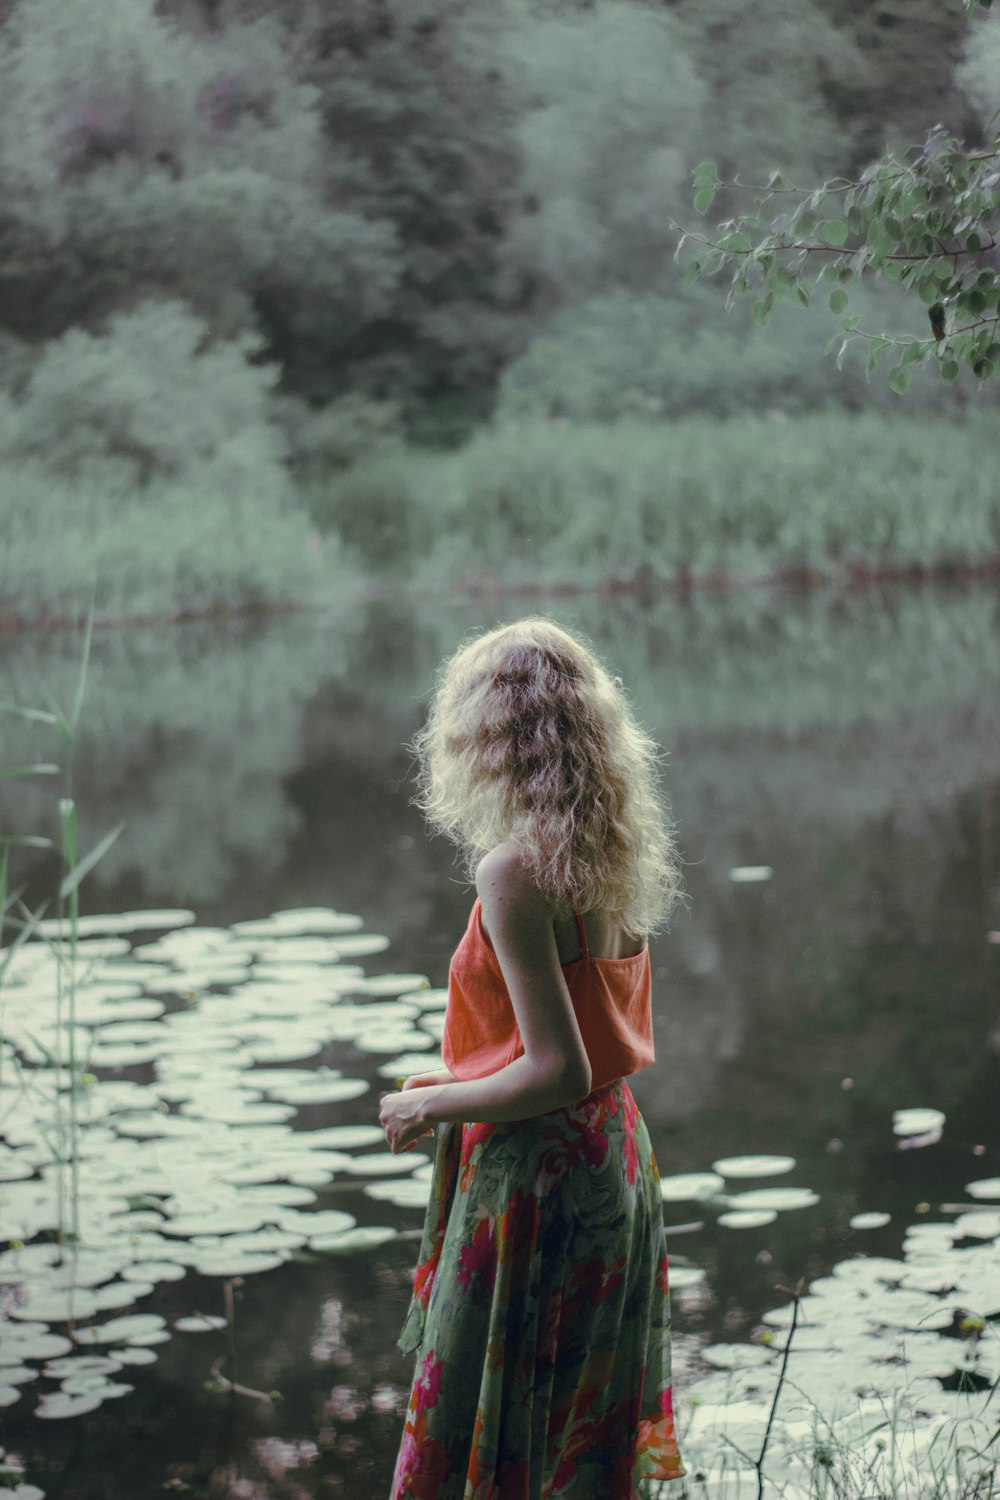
848,745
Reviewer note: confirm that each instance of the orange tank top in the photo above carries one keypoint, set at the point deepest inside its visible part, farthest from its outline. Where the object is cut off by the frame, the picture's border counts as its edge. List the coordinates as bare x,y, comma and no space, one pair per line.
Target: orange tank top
611,998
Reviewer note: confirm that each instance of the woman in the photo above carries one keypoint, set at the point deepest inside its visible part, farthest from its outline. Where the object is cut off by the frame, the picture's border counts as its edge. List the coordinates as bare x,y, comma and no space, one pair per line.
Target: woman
540,1311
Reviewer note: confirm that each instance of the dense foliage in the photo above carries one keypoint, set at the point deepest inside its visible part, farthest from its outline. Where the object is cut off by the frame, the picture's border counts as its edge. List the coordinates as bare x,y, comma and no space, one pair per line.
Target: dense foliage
247,244
925,216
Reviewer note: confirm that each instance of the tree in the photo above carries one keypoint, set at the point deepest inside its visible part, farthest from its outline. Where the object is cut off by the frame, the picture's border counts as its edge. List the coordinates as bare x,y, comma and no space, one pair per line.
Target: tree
925,216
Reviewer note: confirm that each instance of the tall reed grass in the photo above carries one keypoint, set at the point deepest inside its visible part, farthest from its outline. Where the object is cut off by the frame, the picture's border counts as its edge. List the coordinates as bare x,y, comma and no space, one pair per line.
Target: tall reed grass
752,497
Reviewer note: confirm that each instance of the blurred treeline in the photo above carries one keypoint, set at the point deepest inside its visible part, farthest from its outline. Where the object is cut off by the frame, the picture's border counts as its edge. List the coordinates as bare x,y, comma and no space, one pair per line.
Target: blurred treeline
244,243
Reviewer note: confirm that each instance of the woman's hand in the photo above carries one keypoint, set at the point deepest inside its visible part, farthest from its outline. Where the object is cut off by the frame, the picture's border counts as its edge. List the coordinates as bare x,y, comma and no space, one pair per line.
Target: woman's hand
402,1116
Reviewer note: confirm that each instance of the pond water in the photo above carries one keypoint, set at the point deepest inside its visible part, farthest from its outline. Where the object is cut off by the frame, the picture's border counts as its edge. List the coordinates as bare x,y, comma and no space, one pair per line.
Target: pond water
832,765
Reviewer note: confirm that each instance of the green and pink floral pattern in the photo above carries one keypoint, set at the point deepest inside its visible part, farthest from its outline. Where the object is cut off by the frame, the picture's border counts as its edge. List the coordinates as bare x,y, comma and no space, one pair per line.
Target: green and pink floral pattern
541,1313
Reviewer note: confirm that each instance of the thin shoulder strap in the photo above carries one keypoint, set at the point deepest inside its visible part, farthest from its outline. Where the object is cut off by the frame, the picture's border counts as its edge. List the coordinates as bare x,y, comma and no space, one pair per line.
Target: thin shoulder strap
582,931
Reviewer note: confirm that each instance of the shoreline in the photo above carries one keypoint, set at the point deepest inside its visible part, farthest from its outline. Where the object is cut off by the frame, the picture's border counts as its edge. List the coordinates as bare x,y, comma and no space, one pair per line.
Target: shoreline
851,576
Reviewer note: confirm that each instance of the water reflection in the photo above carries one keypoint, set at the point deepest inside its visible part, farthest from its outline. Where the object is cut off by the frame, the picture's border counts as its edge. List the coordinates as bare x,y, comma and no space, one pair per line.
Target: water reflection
849,745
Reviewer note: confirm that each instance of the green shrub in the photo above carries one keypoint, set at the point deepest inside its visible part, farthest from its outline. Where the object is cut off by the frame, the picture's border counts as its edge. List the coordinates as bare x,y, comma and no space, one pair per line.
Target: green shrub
623,354
152,397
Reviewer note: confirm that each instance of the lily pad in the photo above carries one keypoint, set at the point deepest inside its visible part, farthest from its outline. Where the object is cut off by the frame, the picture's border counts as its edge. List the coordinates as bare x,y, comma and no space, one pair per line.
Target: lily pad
354,1241
60,1404
33,1342
685,1276
410,1062
916,1121
873,1220
128,1330
138,1354
123,921
77,1364
385,1163
296,922
153,1270
391,984
690,1187
750,874
428,1000
737,1356
235,1262
747,1218
392,1038
324,1088
986,1187
199,1323
780,1199
362,945
753,1166
407,1192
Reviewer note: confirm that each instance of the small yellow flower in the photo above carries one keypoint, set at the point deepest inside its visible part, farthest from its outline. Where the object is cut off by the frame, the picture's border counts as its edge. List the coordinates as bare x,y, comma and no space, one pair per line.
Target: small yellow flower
971,1324
88,1078
17,1244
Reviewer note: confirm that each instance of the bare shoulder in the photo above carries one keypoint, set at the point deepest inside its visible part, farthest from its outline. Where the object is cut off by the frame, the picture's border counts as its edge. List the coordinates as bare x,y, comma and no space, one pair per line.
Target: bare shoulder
504,872
508,892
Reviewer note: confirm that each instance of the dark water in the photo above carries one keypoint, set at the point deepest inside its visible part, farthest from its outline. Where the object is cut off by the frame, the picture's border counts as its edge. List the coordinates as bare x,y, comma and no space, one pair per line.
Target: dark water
848,743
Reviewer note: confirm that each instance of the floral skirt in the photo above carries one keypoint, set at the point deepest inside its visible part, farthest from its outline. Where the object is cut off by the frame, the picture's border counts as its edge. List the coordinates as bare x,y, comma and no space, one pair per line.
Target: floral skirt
540,1313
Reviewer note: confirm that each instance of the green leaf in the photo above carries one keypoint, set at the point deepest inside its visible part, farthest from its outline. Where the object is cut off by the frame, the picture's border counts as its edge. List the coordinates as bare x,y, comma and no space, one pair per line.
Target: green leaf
72,880
763,309
704,199
899,379
914,353
834,232
706,171
802,293
838,301
949,369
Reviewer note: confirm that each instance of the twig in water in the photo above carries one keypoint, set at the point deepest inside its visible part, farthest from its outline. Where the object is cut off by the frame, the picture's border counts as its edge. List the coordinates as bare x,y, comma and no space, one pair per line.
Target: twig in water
796,1295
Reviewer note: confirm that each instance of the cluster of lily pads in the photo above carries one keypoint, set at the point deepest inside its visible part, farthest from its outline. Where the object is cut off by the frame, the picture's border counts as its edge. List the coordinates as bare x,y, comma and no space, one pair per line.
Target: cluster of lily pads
888,1388
198,1166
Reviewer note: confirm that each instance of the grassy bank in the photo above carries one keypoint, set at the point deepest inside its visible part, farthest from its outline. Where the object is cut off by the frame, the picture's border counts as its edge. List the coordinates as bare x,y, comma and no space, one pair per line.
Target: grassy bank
688,501
165,552
539,504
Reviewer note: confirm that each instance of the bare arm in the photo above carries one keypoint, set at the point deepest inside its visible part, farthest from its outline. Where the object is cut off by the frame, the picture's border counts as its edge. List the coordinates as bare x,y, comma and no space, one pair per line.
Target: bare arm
554,1070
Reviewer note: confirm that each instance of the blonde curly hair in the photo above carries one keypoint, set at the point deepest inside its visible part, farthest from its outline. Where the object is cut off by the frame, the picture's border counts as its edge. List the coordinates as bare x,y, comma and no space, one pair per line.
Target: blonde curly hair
530,738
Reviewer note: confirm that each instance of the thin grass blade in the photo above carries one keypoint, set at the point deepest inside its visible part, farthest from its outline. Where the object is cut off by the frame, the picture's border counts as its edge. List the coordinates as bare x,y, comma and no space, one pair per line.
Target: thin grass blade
40,714
72,880
81,685
27,927
43,768
63,727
